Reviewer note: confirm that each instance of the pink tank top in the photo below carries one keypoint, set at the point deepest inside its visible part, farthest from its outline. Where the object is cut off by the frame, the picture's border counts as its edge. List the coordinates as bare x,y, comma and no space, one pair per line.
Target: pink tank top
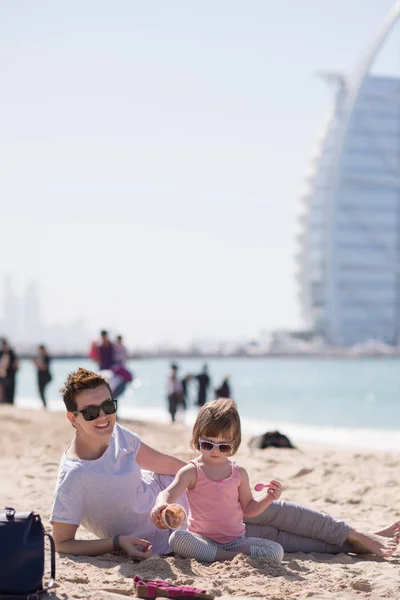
215,511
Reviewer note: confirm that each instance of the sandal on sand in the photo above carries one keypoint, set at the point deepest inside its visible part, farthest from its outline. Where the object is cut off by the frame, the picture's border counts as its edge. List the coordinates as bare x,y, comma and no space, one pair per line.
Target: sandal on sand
145,588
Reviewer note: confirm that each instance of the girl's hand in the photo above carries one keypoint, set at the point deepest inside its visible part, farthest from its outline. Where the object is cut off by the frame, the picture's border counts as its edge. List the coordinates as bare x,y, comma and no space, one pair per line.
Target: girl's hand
135,547
274,490
155,514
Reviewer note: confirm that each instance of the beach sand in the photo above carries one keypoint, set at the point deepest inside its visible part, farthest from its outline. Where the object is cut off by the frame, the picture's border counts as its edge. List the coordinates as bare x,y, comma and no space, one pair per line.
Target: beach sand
361,487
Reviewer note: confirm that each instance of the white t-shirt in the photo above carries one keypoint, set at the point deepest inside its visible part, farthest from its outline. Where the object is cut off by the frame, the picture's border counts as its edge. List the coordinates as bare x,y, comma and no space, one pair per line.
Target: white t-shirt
111,495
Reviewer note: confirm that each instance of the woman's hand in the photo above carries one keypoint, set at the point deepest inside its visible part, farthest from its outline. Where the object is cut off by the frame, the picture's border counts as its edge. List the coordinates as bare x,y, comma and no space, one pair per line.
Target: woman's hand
135,547
156,513
274,490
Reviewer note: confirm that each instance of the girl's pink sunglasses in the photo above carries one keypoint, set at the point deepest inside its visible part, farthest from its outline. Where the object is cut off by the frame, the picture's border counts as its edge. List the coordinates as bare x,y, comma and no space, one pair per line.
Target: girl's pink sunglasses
208,446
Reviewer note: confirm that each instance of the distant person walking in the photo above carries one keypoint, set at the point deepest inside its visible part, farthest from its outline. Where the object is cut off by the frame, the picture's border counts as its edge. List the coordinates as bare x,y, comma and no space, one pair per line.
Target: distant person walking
112,357
203,380
42,362
10,363
224,390
120,352
185,389
4,363
175,395
103,352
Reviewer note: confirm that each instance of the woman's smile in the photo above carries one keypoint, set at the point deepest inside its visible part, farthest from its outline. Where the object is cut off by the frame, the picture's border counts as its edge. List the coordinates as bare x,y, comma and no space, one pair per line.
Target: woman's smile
102,425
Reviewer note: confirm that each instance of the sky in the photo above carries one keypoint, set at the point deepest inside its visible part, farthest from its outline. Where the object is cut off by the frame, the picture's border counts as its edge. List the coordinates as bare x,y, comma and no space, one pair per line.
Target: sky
152,155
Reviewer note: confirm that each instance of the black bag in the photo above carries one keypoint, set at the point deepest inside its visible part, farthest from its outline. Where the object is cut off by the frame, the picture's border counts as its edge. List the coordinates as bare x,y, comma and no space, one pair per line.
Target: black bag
22,538
271,438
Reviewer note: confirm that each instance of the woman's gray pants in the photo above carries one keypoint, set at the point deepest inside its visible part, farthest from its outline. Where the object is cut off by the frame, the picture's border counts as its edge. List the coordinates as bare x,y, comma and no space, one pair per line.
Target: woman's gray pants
299,529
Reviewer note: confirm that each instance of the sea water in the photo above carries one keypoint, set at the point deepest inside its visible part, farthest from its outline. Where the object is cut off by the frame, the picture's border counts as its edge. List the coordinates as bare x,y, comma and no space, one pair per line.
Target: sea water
346,402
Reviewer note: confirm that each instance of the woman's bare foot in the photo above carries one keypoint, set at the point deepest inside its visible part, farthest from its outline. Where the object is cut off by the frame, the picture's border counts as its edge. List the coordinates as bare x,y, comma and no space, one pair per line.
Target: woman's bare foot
392,531
372,543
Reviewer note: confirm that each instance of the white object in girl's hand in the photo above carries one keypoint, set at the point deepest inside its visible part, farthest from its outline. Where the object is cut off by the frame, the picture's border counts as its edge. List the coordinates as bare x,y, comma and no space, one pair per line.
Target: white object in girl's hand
173,517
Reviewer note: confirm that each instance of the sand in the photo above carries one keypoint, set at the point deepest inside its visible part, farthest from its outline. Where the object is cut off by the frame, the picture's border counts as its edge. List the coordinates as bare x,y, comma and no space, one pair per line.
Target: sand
361,487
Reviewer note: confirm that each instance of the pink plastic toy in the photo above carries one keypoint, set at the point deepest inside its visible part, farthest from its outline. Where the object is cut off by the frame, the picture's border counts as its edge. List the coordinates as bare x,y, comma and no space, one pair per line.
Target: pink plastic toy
260,486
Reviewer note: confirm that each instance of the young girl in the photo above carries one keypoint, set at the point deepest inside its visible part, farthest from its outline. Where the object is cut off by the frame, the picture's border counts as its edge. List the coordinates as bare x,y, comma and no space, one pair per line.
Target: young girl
218,493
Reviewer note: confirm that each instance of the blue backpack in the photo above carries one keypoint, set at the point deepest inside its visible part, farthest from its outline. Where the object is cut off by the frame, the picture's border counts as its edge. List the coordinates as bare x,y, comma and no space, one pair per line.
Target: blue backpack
22,549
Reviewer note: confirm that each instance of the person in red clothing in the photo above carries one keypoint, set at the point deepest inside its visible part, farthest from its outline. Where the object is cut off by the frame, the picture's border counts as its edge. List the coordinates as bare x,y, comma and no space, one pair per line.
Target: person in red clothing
103,352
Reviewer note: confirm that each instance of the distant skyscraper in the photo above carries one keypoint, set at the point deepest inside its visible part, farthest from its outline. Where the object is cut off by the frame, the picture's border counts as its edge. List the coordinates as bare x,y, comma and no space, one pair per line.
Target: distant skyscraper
349,259
11,311
33,326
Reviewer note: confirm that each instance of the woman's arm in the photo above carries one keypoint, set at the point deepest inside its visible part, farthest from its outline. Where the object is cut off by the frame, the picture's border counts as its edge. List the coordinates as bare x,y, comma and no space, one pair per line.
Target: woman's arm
152,460
251,507
64,539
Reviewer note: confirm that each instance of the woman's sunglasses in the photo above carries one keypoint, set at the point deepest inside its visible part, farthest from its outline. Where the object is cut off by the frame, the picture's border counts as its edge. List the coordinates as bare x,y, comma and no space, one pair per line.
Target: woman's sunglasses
208,446
92,412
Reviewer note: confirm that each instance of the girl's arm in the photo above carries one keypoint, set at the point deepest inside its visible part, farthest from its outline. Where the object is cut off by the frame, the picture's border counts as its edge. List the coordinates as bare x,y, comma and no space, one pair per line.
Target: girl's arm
158,462
251,507
185,479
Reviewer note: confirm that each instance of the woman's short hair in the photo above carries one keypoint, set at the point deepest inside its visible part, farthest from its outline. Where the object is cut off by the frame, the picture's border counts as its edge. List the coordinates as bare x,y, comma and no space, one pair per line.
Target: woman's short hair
217,418
77,382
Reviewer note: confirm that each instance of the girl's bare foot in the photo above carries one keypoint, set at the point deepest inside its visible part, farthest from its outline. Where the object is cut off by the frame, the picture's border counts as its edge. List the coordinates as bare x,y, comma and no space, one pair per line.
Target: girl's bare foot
372,543
392,531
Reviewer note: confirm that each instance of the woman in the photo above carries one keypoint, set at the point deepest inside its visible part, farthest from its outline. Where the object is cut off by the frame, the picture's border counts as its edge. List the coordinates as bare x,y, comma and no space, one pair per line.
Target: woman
101,486
174,392
42,363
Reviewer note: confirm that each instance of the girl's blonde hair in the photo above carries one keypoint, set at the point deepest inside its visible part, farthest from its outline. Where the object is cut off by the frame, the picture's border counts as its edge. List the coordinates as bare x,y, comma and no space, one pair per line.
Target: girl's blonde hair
215,418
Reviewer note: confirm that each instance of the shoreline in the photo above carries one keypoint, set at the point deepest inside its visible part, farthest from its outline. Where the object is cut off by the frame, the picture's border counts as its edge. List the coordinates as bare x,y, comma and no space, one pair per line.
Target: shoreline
346,438
215,356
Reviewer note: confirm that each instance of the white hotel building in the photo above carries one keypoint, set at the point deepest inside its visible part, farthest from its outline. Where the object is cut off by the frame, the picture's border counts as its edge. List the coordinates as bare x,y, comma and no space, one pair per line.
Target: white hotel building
349,257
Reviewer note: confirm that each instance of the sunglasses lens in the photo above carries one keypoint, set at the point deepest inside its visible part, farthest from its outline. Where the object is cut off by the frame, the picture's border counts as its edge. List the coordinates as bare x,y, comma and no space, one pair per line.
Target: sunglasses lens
109,407
206,446
225,448
91,413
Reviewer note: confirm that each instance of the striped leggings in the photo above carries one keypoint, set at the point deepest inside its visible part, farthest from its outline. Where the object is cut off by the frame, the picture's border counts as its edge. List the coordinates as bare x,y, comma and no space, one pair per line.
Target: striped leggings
193,545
